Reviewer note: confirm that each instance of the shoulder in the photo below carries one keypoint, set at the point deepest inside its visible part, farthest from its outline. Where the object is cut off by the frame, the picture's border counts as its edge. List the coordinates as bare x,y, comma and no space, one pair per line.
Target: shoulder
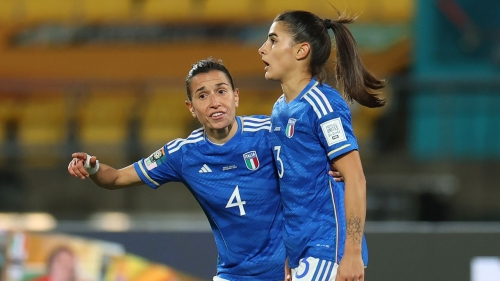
195,138
323,100
255,124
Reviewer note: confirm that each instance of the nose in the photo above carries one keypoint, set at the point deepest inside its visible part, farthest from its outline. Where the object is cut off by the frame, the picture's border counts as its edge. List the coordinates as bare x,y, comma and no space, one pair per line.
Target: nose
214,101
261,49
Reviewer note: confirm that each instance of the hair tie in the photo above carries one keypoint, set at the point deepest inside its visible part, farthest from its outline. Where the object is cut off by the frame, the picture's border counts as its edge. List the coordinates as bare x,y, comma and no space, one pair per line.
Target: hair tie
328,23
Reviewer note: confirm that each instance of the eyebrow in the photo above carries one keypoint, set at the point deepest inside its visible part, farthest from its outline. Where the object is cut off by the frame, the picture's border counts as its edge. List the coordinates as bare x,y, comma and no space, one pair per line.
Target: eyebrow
203,87
272,34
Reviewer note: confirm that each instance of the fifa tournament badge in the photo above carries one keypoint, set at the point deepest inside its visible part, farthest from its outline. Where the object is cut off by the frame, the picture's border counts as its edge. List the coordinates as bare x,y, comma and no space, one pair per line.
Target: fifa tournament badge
155,159
251,160
290,127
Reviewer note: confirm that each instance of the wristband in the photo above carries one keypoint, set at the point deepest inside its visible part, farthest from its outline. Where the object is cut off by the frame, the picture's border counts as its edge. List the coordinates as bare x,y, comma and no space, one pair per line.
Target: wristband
91,170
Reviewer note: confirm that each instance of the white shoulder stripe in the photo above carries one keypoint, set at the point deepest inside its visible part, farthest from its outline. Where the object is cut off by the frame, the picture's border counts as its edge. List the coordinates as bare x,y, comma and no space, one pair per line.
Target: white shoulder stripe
256,119
308,99
250,124
195,134
173,142
318,101
178,146
267,128
323,97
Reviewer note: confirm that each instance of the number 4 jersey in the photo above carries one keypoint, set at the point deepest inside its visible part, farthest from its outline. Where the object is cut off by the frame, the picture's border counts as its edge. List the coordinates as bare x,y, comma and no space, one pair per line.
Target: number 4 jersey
236,185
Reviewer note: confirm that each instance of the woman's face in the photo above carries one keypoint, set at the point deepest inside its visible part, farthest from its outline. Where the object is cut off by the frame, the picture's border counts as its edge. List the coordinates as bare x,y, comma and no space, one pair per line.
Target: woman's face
63,267
213,100
278,53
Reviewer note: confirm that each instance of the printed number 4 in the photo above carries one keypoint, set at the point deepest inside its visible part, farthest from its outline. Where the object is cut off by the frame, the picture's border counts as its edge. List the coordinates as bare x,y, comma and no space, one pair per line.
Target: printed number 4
235,201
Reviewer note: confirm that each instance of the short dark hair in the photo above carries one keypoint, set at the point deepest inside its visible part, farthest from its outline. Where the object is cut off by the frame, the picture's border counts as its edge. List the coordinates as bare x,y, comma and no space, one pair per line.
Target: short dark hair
205,66
351,75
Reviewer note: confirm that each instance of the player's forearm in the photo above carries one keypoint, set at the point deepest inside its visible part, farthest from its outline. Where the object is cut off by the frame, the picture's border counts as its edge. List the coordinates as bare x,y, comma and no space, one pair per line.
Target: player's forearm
355,211
106,177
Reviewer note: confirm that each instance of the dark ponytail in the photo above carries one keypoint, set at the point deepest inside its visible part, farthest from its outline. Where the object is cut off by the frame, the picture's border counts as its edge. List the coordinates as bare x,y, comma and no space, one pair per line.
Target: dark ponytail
352,77
357,83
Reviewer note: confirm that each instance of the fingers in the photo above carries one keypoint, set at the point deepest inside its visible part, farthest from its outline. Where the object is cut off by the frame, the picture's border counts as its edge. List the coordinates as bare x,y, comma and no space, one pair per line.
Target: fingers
350,277
333,167
76,169
79,155
92,162
336,176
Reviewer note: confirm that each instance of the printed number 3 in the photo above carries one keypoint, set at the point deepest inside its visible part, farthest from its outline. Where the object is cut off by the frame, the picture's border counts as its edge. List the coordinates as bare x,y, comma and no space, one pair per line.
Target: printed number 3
281,171
235,201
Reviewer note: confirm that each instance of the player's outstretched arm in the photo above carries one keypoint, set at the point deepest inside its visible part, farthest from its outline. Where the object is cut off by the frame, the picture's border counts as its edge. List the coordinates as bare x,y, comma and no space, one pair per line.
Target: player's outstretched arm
85,166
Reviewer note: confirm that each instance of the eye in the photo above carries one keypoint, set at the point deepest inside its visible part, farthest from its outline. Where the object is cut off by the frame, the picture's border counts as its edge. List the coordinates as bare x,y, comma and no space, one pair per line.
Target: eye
202,96
272,41
222,91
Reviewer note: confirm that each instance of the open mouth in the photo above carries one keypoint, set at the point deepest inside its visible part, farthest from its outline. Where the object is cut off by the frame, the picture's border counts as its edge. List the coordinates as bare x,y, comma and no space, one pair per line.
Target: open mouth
267,65
217,114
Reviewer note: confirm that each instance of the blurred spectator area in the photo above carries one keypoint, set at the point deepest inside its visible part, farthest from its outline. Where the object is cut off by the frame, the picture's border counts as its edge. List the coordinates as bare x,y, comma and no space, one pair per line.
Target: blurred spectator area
187,11
108,76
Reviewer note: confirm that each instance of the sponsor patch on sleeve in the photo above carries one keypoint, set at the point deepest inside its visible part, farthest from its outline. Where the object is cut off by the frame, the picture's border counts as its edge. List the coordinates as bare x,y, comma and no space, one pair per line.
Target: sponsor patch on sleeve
155,159
333,131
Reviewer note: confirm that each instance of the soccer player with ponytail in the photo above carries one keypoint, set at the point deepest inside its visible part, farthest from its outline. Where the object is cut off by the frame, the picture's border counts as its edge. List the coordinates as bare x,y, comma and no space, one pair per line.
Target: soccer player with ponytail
311,128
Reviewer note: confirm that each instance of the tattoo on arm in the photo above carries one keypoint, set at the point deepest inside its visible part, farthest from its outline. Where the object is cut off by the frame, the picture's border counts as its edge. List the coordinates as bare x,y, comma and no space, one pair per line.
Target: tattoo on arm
354,229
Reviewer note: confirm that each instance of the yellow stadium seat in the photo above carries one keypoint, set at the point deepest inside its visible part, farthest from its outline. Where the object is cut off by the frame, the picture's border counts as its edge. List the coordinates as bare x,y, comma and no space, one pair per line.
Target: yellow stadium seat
234,11
42,120
7,113
168,10
397,11
104,117
8,11
165,117
368,10
49,10
42,128
271,9
256,102
106,10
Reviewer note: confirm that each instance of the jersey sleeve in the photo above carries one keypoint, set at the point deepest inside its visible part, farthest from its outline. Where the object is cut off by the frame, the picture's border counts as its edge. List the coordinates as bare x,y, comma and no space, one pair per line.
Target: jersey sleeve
159,168
336,134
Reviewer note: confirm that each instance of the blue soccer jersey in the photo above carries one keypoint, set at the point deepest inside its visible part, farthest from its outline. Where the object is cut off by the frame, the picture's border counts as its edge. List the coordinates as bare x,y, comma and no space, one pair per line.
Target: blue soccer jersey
306,134
236,185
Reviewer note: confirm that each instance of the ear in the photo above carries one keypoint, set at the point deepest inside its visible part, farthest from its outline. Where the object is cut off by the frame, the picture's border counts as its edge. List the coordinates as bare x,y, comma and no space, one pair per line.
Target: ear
302,50
236,97
190,108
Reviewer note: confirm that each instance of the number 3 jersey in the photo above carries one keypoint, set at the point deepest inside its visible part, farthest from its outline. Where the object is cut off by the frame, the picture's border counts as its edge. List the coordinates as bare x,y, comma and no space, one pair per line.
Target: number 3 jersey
236,185
307,133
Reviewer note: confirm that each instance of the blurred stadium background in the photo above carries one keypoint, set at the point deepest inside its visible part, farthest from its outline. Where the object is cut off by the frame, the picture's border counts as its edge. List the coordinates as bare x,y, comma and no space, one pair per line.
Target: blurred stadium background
107,77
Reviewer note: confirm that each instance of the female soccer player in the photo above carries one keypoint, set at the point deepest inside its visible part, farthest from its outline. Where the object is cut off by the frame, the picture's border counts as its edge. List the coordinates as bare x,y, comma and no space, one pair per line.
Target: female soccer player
227,165
311,127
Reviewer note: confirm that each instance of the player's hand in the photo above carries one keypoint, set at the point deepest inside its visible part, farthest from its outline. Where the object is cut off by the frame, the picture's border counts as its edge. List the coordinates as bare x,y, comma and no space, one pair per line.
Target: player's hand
288,271
76,168
335,173
351,268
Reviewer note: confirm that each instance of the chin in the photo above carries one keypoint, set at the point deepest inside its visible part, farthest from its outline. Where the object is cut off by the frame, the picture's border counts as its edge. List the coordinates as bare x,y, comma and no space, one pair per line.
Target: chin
220,125
270,77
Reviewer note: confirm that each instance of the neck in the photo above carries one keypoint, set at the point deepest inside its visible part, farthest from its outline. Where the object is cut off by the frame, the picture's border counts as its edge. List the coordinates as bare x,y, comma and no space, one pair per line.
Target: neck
293,86
221,136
